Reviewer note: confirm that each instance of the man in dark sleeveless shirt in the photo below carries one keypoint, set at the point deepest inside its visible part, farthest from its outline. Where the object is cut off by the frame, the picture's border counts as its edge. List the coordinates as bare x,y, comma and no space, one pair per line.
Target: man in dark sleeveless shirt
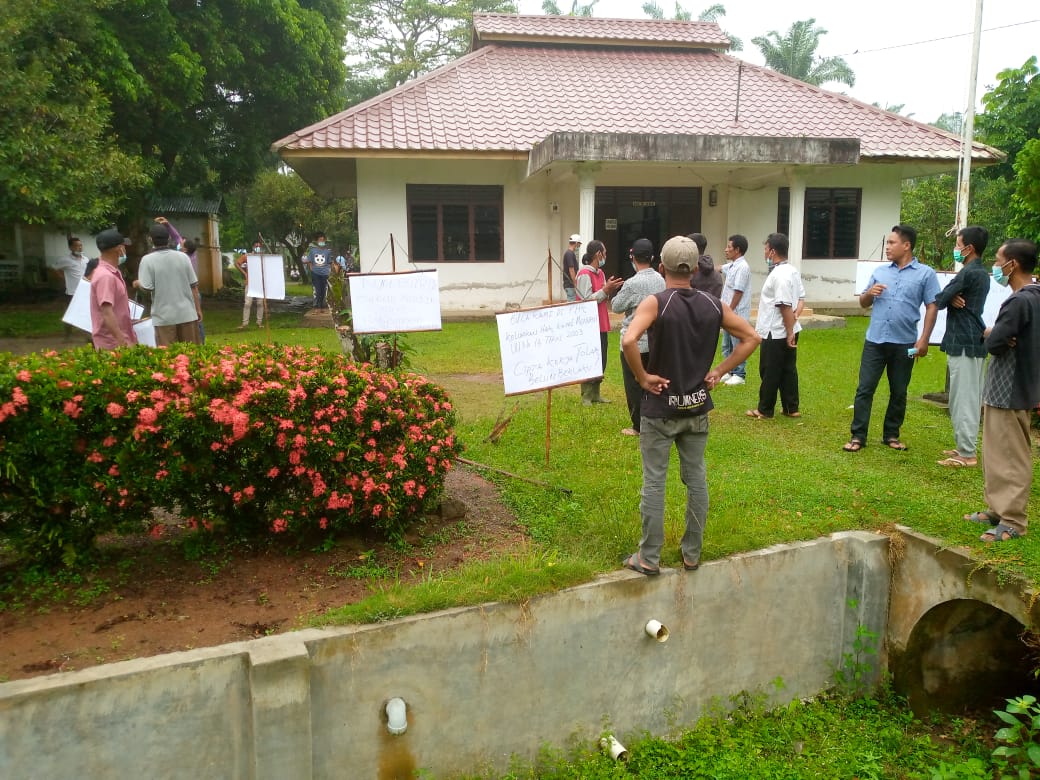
683,326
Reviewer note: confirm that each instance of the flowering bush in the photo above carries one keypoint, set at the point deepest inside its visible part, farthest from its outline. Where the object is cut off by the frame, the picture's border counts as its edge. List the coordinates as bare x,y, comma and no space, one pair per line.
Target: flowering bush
246,438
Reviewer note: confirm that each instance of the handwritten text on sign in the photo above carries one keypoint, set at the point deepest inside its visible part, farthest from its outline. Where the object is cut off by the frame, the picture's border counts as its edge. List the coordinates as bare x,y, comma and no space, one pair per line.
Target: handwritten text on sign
395,303
549,347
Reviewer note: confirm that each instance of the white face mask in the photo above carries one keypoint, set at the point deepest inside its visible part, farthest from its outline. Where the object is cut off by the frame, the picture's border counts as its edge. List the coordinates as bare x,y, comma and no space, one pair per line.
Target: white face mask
122,259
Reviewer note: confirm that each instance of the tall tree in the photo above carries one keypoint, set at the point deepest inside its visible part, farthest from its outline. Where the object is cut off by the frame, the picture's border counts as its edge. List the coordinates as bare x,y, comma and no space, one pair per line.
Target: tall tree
390,41
794,54
1010,121
57,160
709,14
181,96
1011,114
577,9
283,208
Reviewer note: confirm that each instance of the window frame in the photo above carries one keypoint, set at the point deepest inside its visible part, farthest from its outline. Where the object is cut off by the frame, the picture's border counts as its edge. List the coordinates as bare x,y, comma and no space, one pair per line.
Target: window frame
474,198
832,222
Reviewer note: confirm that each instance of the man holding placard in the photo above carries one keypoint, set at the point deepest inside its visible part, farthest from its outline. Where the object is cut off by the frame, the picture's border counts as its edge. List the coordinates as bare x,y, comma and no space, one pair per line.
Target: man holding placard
684,326
247,308
167,274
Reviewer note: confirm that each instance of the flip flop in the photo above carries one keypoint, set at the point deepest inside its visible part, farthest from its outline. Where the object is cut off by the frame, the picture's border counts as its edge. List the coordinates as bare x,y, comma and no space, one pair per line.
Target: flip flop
895,444
632,562
951,453
791,414
998,532
853,445
983,517
957,462
757,415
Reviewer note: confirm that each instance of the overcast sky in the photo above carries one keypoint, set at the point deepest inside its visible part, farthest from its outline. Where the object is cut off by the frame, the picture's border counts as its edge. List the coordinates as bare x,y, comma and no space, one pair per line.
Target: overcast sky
930,76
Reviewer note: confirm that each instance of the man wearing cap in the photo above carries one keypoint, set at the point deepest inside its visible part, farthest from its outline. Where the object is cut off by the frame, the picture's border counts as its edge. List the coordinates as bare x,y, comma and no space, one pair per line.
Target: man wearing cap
705,277
167,274
570,267
110,324
683,325
646,281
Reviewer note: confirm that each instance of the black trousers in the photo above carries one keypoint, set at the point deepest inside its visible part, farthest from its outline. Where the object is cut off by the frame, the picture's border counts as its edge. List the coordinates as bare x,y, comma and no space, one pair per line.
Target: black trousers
633,392
778,370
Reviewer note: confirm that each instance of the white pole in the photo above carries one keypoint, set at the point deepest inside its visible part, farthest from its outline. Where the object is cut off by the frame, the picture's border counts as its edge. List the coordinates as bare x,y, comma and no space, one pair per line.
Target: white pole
964,173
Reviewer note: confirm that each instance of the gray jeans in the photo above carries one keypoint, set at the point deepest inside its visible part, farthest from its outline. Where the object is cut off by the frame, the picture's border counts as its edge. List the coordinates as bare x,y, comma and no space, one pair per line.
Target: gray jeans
966,375
656,435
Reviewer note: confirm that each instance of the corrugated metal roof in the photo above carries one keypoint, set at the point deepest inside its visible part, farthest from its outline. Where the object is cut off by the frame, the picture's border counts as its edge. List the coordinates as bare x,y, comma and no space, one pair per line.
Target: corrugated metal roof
587,30
185,204
509,96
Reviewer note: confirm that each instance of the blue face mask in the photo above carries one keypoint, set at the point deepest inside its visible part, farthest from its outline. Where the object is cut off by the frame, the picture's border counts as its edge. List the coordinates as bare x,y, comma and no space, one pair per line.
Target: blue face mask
122,259
602,262
1000,277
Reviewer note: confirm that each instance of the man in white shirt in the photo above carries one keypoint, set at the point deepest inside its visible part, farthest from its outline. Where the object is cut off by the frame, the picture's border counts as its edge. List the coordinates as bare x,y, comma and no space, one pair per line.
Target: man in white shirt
167,274
71,267
778,326
736,291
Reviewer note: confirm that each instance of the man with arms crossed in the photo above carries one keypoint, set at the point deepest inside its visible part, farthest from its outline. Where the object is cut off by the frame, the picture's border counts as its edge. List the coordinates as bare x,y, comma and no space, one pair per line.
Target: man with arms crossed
964,299
684,329
896,292
1012,392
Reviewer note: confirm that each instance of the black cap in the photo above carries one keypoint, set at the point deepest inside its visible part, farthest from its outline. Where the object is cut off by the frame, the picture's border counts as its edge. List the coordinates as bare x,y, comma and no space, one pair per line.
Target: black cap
642,247
109,239
160,233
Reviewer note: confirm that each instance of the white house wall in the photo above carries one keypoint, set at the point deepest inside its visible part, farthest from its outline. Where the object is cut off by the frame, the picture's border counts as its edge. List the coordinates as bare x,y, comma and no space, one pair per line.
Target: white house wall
532,228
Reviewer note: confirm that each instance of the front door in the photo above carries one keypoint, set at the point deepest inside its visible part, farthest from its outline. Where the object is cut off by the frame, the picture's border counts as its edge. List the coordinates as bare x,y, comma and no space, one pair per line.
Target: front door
624,214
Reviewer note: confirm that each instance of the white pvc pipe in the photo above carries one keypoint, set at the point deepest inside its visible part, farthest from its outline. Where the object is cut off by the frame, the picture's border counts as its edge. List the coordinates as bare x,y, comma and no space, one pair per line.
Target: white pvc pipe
613,748
396,716
657,630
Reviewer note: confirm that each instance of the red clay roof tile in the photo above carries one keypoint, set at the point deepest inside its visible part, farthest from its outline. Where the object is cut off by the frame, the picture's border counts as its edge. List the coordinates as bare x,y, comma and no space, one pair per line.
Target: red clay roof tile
509,96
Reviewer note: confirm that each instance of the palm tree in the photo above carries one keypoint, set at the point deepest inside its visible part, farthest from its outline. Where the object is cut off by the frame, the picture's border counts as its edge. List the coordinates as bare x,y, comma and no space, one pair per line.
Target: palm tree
795,55
584,9
709,14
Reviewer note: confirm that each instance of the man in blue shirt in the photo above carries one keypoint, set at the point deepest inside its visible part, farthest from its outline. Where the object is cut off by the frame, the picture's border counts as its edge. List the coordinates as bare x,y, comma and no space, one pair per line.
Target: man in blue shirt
896,293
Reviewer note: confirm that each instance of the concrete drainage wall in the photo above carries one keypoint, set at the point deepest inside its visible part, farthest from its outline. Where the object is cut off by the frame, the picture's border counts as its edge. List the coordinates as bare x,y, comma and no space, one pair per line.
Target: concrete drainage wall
481,684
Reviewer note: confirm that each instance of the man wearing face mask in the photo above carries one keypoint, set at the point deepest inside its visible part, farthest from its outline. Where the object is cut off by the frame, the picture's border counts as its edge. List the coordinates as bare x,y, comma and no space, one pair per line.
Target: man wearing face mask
592,285
1012,391
644,283
964,298
319,261
110,322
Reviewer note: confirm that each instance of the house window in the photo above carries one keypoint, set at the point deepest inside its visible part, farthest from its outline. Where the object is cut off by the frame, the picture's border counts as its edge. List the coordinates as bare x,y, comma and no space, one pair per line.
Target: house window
783,211
455,223
831,222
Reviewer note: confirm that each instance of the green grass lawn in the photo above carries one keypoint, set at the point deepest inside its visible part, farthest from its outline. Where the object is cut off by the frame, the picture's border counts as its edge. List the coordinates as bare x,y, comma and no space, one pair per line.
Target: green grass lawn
770,481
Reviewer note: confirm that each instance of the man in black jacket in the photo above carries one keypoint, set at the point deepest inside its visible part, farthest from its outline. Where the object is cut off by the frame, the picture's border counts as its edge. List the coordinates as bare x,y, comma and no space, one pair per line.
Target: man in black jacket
1012,392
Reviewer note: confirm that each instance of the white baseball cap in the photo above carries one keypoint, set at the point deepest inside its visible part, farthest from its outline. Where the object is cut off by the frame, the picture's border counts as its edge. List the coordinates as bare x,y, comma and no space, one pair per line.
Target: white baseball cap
575,238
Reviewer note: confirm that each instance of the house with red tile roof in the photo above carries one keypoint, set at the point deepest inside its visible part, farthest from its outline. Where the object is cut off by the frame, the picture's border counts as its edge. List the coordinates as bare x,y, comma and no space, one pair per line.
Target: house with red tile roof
615,129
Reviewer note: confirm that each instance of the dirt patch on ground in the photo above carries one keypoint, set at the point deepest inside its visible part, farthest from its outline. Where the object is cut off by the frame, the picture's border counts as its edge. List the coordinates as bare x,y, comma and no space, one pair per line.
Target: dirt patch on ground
146,598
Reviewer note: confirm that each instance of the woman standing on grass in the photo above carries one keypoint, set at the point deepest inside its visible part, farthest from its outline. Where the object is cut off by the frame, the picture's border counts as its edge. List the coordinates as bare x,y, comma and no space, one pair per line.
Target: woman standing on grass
592,285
